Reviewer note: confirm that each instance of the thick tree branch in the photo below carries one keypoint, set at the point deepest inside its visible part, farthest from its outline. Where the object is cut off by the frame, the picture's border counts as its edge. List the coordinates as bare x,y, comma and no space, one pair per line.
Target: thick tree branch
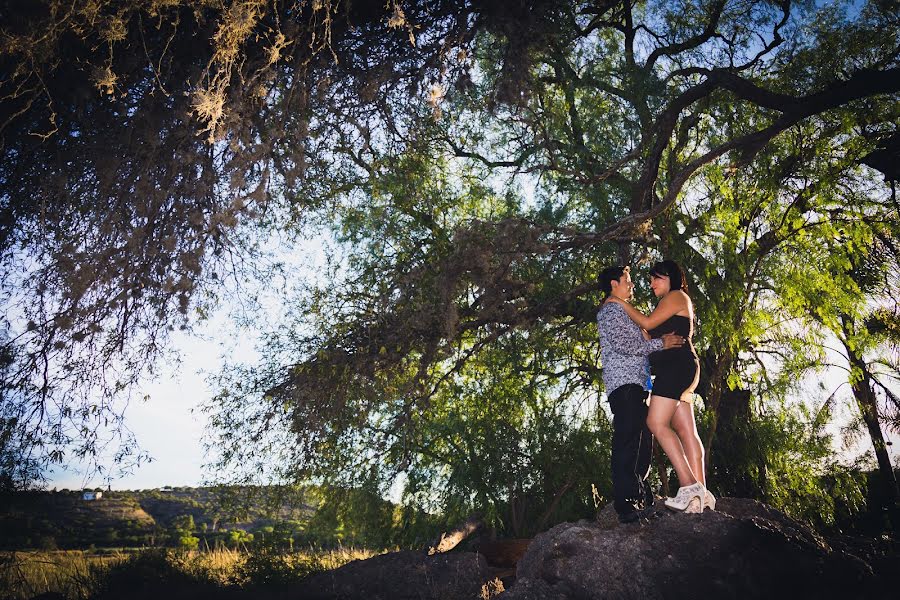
692,42
862,84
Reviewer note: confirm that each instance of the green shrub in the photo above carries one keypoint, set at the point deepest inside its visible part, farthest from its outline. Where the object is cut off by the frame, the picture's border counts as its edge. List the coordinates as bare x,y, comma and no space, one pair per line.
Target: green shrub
153,574
188,542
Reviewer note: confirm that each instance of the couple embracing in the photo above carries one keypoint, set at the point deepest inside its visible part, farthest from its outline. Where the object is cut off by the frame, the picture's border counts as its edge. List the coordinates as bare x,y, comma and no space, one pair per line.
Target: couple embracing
632,346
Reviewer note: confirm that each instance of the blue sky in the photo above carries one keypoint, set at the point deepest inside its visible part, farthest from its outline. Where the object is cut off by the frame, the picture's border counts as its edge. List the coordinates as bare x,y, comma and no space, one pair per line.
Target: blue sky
169,426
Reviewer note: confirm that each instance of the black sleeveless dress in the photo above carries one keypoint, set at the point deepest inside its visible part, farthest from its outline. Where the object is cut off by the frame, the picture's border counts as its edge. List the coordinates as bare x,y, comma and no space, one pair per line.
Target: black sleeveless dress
677,370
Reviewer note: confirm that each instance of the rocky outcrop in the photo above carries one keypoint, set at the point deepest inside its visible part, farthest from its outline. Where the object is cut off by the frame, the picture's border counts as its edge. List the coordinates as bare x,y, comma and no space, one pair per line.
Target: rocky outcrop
404,575
743,550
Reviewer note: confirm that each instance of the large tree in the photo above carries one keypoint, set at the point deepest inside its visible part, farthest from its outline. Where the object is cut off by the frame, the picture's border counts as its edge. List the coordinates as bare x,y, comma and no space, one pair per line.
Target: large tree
606,127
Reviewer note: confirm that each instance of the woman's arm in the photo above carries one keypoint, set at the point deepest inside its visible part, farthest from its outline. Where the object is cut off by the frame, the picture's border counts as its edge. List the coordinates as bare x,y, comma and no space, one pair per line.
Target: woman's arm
617,330
667,307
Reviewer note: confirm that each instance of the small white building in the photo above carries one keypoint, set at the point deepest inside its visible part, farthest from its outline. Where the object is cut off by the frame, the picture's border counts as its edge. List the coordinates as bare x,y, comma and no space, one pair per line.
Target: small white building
91,495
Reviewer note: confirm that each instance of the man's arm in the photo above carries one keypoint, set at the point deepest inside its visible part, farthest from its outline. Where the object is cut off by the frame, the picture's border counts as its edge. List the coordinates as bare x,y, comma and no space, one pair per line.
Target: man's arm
623,334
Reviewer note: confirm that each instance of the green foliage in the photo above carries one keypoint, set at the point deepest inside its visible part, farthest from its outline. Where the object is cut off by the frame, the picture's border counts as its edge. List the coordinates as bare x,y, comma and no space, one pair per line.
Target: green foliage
183,524
266,565
354,516
188,542
271,562
182,531
153,573
501,440
801,476
238,538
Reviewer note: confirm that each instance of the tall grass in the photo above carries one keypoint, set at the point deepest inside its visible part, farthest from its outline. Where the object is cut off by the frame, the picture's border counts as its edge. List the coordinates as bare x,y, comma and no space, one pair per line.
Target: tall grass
71,573
80,575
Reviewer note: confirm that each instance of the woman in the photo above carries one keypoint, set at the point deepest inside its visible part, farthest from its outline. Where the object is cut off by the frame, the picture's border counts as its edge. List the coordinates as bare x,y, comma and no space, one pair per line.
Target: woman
677,371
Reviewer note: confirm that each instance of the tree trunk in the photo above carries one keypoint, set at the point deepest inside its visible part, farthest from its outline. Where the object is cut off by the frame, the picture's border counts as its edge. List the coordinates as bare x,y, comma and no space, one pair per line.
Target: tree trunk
868,407
713,384
739,454
624,253
542,522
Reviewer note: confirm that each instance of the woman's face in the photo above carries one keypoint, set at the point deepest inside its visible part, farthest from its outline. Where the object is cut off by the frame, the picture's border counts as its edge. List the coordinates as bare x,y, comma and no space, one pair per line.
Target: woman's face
660,284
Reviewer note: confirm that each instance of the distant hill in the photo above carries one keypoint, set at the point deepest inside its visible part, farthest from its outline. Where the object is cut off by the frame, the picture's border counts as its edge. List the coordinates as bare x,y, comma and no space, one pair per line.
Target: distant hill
48,520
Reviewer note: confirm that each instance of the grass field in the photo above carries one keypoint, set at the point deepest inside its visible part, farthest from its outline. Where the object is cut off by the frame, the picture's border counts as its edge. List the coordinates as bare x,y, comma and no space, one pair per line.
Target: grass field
79,574
72,573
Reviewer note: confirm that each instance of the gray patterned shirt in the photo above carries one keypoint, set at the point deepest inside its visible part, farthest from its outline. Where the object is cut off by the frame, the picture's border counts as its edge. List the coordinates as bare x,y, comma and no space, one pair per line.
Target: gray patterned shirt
623,349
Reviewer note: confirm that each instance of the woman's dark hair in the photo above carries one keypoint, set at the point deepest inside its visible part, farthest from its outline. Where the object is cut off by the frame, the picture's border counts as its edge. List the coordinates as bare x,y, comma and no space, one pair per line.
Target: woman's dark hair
610,274
672,270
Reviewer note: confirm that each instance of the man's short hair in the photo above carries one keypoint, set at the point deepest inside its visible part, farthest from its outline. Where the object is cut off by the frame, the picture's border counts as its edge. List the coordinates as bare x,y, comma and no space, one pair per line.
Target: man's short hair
611,274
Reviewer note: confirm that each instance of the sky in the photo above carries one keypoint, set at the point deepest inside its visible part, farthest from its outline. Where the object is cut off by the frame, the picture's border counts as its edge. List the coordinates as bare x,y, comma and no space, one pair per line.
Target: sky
169,426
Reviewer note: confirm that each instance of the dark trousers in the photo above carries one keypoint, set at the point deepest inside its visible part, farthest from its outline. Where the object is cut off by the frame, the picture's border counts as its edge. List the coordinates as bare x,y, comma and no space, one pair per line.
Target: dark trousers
632,449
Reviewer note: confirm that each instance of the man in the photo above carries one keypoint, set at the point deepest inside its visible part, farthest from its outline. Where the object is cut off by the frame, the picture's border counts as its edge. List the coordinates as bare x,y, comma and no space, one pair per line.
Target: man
626,376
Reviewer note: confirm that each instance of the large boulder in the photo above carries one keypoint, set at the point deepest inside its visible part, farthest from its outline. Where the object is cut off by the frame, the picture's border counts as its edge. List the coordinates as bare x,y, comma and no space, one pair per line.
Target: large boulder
742,550
404,575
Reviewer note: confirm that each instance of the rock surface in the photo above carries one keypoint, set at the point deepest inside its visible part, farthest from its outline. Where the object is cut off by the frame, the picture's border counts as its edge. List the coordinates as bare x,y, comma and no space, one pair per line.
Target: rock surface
742,550
404,575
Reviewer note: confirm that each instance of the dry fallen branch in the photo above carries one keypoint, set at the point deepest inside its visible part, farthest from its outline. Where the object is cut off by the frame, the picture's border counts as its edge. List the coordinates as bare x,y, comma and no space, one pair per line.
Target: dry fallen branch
451,539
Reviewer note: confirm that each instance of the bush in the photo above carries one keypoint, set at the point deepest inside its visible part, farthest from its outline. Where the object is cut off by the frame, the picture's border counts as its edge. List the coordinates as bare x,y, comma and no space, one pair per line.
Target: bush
238,538
267,567
47,542
188,542
153,574
267,564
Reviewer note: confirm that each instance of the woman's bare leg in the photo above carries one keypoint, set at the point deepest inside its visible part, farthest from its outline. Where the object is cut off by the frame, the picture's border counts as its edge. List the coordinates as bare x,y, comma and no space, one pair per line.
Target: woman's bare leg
686,429
659,420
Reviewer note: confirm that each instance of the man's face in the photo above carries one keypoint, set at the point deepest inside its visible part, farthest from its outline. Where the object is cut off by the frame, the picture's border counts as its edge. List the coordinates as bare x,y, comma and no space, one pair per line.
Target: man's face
625,287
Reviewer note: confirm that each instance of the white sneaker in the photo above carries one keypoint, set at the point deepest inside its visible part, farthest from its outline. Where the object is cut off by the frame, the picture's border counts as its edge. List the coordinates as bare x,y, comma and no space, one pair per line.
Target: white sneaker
710,500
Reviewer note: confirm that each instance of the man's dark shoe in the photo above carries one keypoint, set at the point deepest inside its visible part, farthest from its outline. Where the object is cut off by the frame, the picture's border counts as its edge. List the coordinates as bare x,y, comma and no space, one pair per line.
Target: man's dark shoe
630,517
648,512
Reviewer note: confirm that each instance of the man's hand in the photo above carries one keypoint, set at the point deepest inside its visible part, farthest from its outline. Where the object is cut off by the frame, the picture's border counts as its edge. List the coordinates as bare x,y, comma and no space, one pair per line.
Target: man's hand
671,340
